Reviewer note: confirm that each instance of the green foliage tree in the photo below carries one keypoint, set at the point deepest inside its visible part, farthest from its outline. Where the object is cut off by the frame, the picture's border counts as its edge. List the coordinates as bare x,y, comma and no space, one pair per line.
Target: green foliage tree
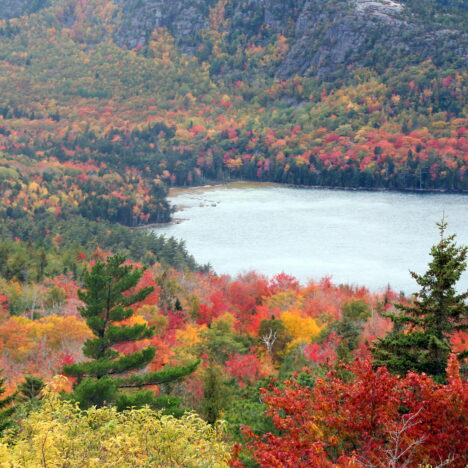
6,410
107,378
28,396
215,393
273,335
31,388
349,328
247,408
221,340
420,340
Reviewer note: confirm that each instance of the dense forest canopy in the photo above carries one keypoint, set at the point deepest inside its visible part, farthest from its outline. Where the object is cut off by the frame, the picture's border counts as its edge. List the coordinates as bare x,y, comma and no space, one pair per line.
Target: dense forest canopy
104,106
96,125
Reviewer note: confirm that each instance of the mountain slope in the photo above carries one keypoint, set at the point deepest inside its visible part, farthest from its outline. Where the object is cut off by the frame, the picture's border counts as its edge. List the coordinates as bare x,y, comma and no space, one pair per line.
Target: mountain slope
15,8
296,92
325,37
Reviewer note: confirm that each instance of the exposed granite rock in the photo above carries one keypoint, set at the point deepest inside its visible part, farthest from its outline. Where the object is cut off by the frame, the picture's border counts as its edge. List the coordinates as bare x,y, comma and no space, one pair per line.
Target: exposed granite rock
183,18
330,36
385,10
325,40
325,36
15,8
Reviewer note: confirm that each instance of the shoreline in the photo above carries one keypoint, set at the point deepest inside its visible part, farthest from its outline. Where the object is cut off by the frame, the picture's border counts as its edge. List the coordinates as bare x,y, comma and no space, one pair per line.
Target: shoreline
378,189
159,225
174,191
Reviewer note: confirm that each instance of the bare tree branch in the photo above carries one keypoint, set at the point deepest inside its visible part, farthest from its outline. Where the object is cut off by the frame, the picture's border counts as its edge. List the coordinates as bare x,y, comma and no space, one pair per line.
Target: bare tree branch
269,340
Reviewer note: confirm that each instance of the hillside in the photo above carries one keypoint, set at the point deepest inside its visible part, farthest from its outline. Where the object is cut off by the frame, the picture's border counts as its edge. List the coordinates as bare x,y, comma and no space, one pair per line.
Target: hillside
116,347
324,37
99,112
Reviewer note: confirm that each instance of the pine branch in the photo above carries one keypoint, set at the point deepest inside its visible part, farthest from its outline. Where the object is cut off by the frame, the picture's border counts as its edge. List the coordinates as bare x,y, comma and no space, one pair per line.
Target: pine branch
168,374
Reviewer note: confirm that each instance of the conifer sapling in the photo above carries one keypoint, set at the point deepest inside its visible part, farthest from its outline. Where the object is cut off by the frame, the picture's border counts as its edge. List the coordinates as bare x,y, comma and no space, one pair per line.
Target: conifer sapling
109,377
420,340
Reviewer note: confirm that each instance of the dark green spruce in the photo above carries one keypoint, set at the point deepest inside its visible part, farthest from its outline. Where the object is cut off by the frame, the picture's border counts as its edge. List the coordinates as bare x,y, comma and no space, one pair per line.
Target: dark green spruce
108,377
30,389
6,410
420,340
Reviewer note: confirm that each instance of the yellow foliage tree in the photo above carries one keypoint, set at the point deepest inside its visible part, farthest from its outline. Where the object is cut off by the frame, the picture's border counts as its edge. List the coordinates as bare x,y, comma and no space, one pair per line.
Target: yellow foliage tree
22,337
188,338
60,434
285,300
303,329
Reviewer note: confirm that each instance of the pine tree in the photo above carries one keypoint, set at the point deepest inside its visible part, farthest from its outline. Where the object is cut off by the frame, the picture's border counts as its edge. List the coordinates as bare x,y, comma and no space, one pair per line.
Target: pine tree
214,393
28,396
31,388
109,377
420,340
6,410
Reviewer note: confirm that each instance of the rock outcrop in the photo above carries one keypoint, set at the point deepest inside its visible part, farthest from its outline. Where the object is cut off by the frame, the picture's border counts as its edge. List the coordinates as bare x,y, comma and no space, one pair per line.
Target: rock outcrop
183,18
14,8
325,37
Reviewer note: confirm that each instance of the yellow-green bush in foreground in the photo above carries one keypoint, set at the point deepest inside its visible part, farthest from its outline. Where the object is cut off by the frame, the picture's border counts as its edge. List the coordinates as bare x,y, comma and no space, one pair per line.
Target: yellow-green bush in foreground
62,435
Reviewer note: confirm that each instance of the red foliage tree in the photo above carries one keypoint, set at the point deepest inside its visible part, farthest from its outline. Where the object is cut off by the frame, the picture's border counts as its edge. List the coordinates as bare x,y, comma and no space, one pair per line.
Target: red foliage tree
3,307
245,294
373,419
245,368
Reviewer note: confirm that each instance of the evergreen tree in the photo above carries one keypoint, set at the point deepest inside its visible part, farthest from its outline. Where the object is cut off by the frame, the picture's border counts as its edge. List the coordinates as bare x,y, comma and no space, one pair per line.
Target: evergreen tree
28,396
109,377
5,409
349,329
31,388
420,340
215,396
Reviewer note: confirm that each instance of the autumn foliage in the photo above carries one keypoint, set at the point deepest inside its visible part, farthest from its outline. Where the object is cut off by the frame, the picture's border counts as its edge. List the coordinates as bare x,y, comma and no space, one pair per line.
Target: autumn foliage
251,329
368,418
92,135
106,144
60,433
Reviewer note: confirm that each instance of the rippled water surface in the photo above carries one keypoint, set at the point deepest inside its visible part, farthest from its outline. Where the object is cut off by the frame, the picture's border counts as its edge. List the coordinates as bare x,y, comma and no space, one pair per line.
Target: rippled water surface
365,238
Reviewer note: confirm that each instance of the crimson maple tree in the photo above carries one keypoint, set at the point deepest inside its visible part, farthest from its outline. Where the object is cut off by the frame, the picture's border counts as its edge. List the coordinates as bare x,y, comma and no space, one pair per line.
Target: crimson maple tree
372,419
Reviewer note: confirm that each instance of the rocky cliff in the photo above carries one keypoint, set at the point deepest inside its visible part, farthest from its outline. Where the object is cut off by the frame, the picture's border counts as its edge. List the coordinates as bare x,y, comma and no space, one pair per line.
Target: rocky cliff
325,37
328,36
183,18
14,8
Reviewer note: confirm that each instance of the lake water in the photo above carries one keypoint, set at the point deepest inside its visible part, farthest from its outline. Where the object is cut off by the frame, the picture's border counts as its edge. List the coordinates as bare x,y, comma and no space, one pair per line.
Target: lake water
357,237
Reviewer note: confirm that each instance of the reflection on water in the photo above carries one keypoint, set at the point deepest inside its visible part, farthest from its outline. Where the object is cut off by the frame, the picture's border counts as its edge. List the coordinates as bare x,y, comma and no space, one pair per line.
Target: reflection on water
364,238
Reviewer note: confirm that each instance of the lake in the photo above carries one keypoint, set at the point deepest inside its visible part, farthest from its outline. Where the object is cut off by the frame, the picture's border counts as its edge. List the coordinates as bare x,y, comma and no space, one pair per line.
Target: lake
357,237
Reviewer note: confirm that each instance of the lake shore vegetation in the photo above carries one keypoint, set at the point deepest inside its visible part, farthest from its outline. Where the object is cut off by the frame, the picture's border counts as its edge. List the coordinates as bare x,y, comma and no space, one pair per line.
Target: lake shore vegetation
117,348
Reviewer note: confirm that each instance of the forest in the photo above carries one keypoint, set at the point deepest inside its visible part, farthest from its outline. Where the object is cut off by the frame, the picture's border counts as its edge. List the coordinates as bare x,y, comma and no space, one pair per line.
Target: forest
247,371
117,348
82,133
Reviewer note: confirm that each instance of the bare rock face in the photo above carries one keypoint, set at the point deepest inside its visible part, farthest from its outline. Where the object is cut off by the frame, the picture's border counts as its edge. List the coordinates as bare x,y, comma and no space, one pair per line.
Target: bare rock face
15,8
183,18
329,37
385,10
323,34
325,37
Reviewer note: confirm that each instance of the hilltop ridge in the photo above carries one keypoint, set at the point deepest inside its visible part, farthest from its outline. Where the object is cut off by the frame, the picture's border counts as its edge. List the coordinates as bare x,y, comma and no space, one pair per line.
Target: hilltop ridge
325,36
105,105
